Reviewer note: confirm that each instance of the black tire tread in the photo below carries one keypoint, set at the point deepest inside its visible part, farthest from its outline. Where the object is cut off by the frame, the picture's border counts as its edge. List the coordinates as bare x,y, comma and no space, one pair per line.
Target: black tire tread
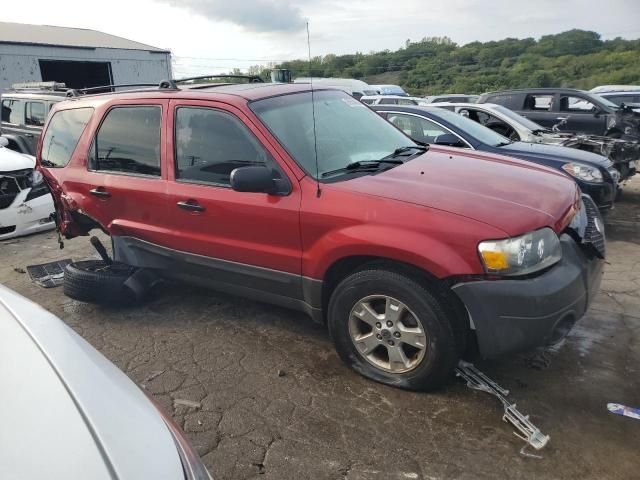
449,348
98,287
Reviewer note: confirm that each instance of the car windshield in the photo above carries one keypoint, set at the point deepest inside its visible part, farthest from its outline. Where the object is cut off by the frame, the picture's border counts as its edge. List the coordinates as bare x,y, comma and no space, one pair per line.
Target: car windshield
346,131
607,103
524,121
481,133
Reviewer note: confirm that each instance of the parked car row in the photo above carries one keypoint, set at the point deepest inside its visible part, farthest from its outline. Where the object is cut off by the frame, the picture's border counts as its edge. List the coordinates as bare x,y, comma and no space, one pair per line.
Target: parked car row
606,111
570,110
412,255
517,128
535,116
432,125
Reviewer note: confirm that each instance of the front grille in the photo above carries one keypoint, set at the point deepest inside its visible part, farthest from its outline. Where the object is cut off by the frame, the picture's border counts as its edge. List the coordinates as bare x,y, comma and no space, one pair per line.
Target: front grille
594,232
11,184
9,190
5,230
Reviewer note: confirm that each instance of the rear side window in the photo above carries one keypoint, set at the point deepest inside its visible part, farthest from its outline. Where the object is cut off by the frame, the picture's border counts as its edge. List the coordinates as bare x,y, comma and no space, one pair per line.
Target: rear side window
13,111
576,105
62,135
503,99
210,144
538,102
35,114
417,128
128,141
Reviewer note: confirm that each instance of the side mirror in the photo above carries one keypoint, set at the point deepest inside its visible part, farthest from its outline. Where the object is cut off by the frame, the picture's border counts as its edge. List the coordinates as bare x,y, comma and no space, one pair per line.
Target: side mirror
253,179
448,139
4,142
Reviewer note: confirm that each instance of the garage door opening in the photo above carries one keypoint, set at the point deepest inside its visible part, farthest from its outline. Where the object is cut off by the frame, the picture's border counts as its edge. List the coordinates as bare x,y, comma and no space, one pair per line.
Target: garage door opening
76,74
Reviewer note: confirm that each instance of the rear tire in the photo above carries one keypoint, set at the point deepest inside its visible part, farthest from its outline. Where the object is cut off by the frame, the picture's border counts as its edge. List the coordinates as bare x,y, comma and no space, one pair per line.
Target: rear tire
93,281
377,310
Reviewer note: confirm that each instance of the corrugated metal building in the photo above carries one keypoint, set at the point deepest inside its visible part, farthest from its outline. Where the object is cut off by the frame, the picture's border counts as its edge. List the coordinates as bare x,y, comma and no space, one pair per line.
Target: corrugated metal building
78,57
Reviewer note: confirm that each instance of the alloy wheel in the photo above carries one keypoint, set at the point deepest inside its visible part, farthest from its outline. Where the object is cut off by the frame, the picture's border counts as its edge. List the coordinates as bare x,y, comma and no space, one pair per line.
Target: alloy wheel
387,333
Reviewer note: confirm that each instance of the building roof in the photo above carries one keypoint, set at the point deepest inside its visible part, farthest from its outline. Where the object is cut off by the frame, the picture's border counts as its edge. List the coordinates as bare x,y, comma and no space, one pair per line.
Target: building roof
23,33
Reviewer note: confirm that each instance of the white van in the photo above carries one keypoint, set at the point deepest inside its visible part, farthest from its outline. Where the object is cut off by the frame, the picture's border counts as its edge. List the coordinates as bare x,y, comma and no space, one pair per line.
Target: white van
355,88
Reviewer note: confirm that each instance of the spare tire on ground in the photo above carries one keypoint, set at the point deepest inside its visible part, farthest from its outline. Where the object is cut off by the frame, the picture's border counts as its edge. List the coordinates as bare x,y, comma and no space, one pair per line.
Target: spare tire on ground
94,281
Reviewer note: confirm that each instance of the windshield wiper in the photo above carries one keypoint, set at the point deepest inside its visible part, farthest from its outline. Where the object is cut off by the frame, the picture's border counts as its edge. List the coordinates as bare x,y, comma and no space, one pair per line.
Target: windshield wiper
404,150
362,166
502,144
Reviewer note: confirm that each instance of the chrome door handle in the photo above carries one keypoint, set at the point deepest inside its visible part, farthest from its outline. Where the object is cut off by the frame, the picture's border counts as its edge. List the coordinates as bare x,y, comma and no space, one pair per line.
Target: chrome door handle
190,206
100,192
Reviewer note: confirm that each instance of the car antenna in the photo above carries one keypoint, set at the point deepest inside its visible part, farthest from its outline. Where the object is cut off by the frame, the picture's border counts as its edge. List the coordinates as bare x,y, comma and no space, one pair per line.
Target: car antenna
313,114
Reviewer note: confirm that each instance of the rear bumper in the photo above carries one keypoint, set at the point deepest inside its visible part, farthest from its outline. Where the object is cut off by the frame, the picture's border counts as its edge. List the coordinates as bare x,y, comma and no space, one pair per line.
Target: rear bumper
24,218
517,315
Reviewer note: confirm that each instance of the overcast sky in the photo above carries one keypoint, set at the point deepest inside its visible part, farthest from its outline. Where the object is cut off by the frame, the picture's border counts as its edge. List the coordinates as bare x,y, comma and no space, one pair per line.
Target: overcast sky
206,35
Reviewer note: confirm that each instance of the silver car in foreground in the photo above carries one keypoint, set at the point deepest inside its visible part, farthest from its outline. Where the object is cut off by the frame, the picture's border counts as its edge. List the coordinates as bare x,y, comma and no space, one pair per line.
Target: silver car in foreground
68,413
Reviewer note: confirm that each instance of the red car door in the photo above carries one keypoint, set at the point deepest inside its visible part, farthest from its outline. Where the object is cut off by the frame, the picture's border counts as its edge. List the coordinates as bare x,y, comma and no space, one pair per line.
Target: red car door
125,184
247,239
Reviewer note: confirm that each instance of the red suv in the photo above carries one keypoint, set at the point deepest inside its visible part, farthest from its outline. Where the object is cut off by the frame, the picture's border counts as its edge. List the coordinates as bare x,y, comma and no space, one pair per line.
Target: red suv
308,199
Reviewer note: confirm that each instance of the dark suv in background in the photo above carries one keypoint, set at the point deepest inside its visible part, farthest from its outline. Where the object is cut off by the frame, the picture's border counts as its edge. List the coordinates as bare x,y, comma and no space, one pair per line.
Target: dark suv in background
569,110
24,110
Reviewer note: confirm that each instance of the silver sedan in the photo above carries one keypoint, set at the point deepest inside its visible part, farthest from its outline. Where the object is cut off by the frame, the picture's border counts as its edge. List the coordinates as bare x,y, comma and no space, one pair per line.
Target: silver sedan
68,413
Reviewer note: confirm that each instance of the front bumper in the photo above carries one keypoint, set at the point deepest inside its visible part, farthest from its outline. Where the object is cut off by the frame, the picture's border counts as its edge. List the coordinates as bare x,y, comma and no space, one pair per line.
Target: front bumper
604,194
24,218
520,314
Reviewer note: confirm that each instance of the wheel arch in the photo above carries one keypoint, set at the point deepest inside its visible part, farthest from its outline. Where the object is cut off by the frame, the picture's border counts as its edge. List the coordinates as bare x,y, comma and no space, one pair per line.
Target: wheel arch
346,266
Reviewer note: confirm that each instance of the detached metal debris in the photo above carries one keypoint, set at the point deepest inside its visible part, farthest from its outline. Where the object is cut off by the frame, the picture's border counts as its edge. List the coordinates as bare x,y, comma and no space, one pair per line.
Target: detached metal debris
48,275
623,410
525,429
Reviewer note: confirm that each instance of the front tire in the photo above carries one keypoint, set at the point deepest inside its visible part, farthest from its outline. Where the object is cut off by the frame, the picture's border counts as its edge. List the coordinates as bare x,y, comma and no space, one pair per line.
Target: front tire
392,329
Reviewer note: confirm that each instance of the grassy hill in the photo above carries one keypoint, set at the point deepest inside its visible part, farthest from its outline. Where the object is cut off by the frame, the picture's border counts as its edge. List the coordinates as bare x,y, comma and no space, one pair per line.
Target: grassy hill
576,58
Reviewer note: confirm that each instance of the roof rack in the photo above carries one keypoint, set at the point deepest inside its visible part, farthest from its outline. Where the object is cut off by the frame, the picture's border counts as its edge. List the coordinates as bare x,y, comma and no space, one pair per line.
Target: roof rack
75,92
51,86
174,83
171,84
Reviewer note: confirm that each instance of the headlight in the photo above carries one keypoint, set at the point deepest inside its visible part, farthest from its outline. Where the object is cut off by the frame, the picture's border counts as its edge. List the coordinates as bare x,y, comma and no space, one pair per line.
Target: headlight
521,255
611,122
583,172
628,131
36,178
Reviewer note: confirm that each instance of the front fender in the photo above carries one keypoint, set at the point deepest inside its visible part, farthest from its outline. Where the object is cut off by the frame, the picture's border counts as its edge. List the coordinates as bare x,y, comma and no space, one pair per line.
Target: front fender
439,257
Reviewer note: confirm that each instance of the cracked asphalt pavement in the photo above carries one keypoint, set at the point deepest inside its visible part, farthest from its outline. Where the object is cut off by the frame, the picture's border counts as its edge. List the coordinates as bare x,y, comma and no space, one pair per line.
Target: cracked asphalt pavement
262,394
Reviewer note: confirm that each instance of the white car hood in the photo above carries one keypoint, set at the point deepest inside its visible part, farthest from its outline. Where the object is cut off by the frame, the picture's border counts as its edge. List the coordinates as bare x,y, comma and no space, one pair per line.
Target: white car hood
11,161
67,412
